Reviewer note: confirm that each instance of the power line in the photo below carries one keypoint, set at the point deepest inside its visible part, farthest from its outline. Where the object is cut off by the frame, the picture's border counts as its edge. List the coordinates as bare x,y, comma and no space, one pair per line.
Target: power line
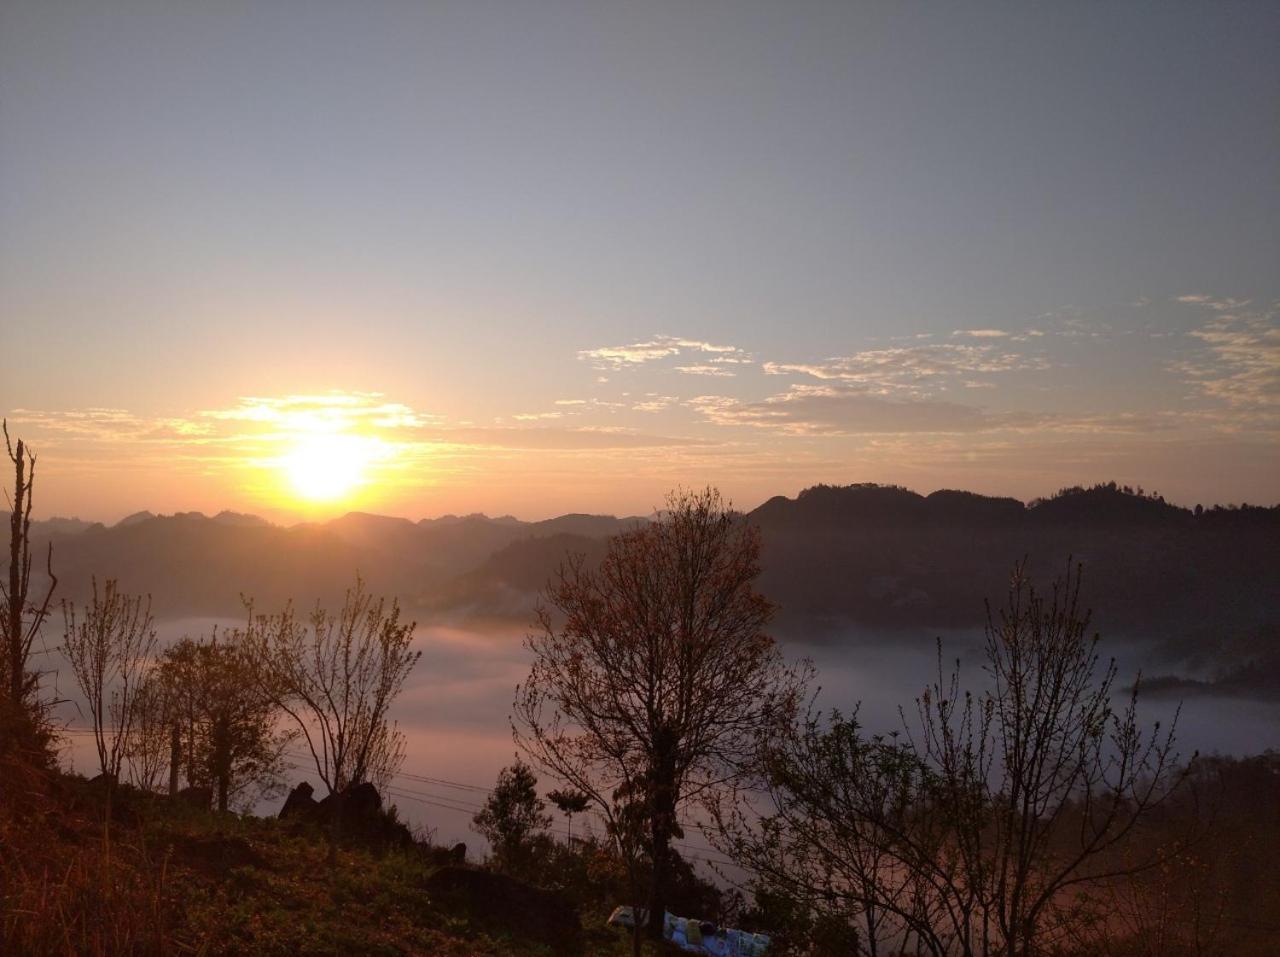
460,805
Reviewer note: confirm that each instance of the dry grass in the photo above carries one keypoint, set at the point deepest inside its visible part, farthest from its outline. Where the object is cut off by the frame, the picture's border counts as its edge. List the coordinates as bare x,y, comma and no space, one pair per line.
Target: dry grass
67,899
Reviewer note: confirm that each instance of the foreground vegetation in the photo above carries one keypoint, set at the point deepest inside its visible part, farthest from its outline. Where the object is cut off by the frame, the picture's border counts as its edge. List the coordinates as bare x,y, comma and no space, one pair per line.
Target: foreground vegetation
170,878
173,879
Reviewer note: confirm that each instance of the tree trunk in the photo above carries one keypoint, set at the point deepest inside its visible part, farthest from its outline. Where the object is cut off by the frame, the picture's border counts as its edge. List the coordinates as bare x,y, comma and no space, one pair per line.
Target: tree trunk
222,760
658,882
662,827
335,829
662,824
13,624
175,758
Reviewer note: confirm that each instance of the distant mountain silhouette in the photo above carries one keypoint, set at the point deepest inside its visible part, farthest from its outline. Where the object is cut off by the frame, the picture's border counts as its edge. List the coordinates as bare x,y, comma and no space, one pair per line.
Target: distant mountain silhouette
890,557
62,527
239,518
506,581
871,556
194,565
134,519
454,519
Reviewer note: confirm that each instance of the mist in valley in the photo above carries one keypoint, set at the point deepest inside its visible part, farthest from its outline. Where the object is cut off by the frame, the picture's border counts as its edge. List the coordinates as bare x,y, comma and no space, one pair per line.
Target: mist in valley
455,708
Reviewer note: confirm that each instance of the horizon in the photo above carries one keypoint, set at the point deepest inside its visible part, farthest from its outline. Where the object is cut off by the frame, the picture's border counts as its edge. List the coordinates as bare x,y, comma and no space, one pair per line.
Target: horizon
497,517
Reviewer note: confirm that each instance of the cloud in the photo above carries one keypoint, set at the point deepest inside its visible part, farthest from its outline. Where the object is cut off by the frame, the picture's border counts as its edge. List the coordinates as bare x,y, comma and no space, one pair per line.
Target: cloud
981,333
706,370
562,439
846,409
655,403
906,367
659,347
1217,305
1109,423
1239,365
92,423
328,411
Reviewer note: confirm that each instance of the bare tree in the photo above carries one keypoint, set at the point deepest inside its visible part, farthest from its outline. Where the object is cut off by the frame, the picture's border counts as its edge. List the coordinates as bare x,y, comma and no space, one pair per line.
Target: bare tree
23,615
652,691
336,676
155,724
109,647
1044,775
986,827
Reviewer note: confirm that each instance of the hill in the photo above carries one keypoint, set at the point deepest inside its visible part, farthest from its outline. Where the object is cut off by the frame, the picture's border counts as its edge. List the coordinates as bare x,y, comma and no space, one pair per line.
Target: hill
889,557
878,556
195,565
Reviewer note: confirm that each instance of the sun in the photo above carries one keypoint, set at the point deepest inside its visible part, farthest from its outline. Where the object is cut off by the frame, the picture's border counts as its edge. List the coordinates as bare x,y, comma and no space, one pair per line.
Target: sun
326,467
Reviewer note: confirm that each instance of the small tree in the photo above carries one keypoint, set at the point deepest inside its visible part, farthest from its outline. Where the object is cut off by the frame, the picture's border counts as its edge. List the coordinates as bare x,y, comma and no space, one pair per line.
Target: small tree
151,745
981,832
569,802
652,691
229,739
512,815
336,676
816,830
109,647
1042,776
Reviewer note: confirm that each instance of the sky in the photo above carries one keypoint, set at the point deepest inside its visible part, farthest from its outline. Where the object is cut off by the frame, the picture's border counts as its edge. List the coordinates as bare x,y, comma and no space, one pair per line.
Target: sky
537,257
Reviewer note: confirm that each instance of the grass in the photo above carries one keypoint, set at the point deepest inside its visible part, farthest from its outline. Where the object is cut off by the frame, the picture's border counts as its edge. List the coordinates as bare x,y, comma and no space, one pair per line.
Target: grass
174,880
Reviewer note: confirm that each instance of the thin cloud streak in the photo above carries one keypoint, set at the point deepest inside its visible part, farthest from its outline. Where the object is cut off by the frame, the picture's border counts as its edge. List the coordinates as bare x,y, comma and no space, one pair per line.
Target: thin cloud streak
659,347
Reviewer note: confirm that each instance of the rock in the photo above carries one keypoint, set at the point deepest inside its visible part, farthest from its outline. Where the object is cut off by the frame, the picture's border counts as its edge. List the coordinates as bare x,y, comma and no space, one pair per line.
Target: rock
361,802
362,816
496,901
299,803
196,797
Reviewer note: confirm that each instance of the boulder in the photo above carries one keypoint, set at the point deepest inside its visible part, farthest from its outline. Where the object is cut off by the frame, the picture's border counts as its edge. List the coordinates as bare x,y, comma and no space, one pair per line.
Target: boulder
196,797
360,802
362,818
299,803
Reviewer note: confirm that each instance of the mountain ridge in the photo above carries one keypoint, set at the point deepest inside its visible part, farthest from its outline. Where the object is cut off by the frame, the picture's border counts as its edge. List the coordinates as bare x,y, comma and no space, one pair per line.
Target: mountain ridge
880,556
